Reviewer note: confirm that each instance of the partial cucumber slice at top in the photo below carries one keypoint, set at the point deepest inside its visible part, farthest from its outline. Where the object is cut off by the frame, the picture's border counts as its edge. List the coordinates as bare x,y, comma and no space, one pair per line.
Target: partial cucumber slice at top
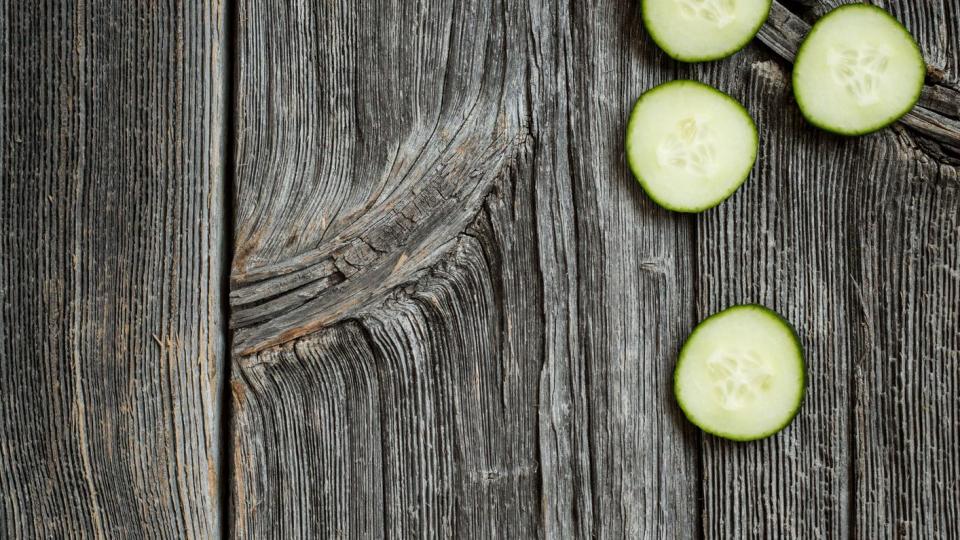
857,71
741,374
689,145
701,30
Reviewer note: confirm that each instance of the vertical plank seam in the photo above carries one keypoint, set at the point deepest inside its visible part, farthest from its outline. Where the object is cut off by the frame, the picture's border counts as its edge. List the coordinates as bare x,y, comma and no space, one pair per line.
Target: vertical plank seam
227,199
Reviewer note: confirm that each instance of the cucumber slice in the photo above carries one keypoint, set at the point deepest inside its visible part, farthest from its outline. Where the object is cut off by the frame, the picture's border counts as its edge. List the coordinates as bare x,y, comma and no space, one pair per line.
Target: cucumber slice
701,30
857,71
689,145
741,374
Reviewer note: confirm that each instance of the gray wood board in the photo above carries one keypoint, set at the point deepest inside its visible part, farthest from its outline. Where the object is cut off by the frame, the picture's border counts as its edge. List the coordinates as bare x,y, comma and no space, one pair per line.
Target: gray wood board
504,367
111,338
454,311
824,246
497,391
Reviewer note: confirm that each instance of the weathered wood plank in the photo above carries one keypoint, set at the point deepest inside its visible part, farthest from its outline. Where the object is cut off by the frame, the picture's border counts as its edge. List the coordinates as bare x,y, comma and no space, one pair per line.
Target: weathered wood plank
907,371
420,422
852,240
303,460
515,386
429,85
342,199
781,241
633,300
110,332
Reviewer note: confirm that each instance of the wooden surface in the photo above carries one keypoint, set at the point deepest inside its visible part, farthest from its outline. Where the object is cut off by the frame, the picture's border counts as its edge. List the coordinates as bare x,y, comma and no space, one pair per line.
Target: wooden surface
111,329
454,313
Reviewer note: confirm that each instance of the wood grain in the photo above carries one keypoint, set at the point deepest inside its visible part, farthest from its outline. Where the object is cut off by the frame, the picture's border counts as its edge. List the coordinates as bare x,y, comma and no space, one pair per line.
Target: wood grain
781,241
454,311
111,342
851,240
505,382
907,371
342,200
515,371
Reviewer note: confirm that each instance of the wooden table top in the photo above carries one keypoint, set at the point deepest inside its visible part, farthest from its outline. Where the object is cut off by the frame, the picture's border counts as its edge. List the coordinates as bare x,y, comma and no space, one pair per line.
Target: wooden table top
347,269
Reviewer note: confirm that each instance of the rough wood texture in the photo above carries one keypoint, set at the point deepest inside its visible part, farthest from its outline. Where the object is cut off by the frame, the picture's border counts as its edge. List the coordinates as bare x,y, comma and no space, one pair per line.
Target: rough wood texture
496,361
110,334
499,391
907,374
851,240
455,313
369,185
783,241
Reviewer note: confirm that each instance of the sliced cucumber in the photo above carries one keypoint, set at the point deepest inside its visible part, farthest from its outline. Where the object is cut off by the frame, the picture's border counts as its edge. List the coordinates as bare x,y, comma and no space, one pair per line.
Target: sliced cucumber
857,71
701,30
741,374
689,145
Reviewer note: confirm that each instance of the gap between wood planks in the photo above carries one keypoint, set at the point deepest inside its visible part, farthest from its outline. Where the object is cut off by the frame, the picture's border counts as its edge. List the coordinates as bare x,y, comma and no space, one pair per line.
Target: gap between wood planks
228,223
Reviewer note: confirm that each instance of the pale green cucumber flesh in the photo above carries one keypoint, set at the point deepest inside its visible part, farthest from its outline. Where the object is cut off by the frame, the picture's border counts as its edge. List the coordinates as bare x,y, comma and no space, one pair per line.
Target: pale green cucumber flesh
703,30
741,374
857,71
689,145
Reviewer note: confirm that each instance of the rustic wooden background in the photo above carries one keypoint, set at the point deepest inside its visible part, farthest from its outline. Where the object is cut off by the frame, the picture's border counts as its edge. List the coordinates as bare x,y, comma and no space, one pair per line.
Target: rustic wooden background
341,268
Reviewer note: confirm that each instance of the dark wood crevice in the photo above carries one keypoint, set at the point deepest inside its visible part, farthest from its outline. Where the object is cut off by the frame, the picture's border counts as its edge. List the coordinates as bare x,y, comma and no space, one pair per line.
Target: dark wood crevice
225,448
